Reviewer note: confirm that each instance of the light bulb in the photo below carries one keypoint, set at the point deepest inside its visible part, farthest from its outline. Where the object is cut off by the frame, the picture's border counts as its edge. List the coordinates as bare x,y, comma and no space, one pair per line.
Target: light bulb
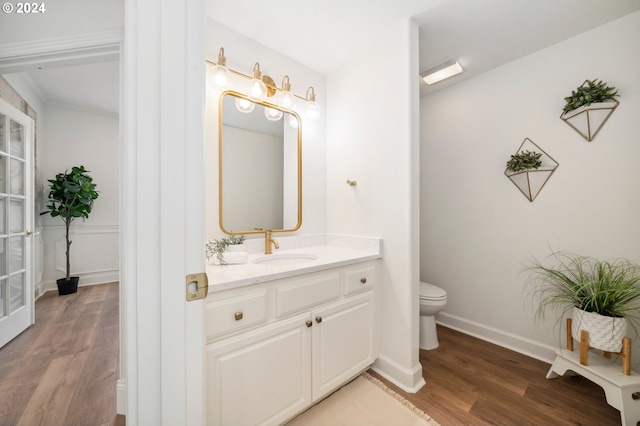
288,99
272,114
312,110
257,89
244,105
293,121
220,76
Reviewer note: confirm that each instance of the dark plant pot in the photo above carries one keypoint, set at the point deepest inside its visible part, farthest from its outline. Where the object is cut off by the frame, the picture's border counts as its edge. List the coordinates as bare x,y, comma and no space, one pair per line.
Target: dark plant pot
67,286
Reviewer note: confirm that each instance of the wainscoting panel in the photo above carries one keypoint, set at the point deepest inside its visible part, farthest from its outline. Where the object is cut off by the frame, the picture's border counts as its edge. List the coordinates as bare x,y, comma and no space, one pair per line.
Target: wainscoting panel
94,254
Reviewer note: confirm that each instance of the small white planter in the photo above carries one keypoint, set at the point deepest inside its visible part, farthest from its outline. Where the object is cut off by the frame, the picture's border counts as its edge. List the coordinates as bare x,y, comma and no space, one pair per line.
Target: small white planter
236,247
605,333
235,254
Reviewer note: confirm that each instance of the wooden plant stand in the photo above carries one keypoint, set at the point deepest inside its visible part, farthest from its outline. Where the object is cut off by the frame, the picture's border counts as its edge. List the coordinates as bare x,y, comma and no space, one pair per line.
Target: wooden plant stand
584,349
621,388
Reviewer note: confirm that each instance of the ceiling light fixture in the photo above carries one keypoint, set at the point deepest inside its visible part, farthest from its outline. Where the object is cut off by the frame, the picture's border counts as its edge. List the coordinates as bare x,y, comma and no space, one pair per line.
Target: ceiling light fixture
443,71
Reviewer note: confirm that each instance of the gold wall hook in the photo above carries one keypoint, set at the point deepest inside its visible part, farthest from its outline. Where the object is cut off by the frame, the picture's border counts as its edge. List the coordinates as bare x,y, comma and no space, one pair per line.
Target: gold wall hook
351,182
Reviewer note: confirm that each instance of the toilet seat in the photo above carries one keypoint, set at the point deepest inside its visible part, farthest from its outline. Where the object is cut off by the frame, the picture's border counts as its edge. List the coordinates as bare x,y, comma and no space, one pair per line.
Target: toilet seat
431,292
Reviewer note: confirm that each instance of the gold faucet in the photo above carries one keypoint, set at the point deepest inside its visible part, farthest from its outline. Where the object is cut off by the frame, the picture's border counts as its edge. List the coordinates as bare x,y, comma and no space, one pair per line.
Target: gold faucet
268,240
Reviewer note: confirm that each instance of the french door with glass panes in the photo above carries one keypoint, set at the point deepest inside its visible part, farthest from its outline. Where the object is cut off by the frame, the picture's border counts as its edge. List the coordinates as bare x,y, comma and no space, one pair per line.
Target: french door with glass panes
16,218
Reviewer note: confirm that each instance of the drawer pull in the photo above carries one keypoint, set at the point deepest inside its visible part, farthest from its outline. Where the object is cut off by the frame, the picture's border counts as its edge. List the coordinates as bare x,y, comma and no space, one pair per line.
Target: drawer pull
318,320
239,316
309,323
363,280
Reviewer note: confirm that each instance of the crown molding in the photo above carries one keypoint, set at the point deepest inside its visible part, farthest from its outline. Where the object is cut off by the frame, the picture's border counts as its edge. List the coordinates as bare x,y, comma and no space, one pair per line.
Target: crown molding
60,51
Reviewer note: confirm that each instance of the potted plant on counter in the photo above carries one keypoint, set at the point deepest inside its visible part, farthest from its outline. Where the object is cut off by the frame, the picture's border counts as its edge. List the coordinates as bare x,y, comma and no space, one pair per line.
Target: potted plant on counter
71,196
220,248
603,297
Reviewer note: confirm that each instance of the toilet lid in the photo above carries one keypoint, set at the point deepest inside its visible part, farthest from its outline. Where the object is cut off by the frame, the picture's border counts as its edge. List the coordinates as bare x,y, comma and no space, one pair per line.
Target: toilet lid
432,292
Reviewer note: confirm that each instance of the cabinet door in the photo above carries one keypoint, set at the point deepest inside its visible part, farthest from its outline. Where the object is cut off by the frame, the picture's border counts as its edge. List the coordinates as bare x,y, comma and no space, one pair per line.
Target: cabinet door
345,342
262,377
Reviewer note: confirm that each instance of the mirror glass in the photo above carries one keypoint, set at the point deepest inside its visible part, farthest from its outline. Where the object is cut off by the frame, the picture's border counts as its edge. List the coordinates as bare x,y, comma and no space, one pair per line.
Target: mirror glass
260,166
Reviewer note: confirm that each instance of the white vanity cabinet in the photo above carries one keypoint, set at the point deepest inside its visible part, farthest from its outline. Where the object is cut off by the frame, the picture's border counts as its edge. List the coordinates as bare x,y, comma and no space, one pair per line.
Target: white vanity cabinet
277,347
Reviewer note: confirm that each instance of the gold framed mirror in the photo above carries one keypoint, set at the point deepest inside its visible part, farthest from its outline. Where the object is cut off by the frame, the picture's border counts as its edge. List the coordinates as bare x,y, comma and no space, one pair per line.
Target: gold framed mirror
260,166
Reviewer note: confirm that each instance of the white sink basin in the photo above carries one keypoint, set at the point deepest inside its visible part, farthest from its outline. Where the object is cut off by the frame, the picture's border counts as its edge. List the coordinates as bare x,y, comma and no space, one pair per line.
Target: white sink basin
285,259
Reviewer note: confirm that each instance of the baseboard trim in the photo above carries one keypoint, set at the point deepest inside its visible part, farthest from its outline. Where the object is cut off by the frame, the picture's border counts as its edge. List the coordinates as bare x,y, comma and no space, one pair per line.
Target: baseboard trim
121,397
408,380
85,280
528,347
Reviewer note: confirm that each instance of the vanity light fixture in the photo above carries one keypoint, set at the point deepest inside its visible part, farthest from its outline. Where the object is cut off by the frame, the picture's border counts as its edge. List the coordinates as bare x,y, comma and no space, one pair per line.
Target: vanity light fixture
244,105
257,89
443,71
272,114
220,76
261,87
288,99
312,110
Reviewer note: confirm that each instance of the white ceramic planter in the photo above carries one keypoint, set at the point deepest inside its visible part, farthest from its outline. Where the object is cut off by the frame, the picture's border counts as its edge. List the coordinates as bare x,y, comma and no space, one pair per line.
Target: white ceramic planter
605,333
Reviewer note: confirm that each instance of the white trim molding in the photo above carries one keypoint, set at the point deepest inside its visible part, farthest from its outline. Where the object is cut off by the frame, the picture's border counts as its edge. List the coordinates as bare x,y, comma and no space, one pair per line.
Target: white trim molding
100,46
528,347
412,380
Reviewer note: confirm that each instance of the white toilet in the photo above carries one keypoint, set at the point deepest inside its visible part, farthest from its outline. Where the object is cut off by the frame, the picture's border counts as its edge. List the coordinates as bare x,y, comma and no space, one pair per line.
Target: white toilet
432,300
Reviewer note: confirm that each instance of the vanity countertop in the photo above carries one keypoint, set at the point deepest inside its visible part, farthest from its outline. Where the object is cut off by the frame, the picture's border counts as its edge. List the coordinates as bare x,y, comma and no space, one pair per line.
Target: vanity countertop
328,256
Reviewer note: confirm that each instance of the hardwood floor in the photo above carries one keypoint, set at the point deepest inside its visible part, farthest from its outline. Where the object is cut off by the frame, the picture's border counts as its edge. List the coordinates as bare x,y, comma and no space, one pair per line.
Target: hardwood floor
63,369
473,382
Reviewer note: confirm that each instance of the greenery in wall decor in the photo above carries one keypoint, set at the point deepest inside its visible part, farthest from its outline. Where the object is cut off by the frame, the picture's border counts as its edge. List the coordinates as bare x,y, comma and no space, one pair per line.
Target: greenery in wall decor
219,245
524,160
589,92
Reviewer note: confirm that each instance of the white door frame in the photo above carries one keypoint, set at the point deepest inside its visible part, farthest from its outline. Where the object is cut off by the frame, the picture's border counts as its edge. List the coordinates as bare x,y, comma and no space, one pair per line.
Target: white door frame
163,210
162,200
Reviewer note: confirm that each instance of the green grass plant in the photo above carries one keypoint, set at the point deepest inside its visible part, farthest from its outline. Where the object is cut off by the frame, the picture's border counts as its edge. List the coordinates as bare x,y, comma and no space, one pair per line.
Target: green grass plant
610,288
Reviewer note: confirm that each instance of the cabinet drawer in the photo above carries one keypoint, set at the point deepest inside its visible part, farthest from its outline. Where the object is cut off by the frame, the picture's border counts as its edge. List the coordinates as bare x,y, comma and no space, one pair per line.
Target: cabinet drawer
360,278
300,294
236,313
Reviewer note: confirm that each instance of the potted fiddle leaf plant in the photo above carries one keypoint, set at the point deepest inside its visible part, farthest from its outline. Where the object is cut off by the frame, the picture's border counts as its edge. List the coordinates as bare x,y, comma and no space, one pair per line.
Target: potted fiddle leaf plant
71,196
602,297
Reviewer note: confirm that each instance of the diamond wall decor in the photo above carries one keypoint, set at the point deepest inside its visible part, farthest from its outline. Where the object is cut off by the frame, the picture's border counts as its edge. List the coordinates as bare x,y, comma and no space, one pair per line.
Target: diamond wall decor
530,182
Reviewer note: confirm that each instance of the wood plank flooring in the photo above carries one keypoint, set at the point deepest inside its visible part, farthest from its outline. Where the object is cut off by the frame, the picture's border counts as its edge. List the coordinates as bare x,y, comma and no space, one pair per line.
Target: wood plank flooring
63,369
473,382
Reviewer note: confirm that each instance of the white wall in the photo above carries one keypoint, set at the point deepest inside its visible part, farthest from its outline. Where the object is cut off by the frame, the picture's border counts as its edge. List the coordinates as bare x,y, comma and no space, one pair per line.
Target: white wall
76,137
242,53
372,138
478,230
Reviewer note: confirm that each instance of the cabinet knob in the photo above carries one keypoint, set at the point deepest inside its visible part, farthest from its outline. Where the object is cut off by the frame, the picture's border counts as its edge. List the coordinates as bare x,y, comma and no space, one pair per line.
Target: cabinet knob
318,320
239,316
309,323
363,280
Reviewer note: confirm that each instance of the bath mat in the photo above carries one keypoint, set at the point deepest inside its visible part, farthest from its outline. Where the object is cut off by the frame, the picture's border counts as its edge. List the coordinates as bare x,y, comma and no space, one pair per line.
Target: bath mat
365,401
402,399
